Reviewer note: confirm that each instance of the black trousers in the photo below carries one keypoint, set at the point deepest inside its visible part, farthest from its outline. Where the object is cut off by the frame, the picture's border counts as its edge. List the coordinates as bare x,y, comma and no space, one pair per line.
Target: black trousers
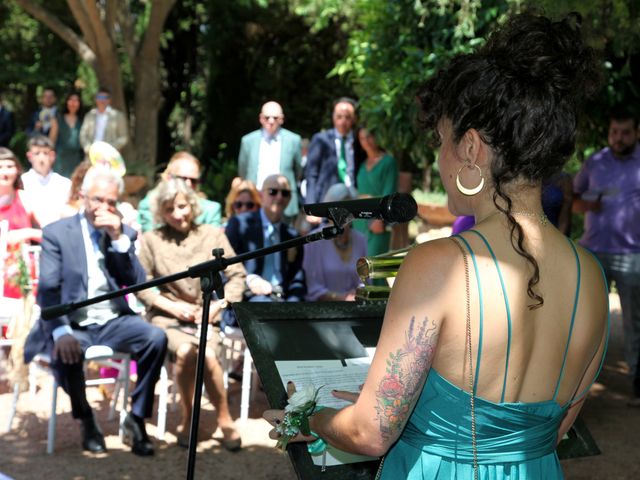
128,334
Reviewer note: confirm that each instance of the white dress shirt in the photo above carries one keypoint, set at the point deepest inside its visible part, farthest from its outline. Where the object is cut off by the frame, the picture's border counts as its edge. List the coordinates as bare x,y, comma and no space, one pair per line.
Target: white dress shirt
99,313
269,157
49,194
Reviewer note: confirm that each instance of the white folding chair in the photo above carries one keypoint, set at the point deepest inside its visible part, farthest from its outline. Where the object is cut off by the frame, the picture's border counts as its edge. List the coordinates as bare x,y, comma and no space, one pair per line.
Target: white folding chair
233,345
102,355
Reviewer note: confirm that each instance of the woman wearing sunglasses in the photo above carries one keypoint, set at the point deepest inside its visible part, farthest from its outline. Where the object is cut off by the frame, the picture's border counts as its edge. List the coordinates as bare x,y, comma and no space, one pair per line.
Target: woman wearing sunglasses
243,197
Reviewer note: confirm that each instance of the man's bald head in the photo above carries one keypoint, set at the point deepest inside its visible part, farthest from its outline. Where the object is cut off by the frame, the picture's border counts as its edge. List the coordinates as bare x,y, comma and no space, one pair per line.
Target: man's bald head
271,117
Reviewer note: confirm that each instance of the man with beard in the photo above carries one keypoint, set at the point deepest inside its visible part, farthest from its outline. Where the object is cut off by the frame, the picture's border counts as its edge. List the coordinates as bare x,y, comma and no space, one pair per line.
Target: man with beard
608,191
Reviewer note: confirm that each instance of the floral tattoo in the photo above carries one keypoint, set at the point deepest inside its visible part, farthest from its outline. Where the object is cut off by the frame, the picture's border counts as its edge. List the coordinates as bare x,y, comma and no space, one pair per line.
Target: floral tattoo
405,370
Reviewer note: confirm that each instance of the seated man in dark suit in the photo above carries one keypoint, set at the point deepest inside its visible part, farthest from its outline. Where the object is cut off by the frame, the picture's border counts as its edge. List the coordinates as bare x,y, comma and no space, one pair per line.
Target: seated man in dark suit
279,274
84,256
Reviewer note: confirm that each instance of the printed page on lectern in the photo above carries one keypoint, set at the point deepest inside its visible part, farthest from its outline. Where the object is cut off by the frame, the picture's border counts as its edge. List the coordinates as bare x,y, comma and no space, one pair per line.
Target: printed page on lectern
346,374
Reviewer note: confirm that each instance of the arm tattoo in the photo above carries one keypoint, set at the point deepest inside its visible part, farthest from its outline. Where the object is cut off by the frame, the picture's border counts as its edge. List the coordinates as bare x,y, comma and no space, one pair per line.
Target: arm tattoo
405,370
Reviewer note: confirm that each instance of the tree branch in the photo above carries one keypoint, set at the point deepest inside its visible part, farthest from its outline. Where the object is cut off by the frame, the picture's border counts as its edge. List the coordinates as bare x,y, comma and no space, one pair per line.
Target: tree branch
125,19
105,43
60,29
150,45
79,13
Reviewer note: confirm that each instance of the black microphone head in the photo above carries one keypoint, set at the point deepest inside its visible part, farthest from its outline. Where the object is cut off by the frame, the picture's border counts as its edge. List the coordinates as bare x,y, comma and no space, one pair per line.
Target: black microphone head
398,208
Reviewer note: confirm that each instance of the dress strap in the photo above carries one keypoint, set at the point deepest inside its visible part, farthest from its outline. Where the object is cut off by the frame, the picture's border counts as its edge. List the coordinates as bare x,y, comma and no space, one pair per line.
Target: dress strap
507,308
573,317
579,396
475,268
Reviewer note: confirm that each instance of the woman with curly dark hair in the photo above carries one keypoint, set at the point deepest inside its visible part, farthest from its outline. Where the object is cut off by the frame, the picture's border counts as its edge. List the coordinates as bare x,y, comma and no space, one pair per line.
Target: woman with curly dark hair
492,338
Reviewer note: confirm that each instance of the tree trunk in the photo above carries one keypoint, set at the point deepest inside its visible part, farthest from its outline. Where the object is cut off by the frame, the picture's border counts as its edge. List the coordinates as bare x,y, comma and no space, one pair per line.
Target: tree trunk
148,100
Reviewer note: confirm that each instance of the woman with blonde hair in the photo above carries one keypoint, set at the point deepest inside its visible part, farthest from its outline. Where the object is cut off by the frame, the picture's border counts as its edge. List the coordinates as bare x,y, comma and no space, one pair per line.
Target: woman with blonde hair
242,197
177,306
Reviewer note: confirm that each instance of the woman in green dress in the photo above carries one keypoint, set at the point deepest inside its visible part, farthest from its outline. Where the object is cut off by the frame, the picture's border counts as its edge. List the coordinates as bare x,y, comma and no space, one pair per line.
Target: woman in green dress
377,177
69,152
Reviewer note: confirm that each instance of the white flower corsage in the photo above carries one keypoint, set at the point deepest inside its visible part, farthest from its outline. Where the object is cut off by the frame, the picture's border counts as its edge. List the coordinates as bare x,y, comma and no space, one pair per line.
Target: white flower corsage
302,404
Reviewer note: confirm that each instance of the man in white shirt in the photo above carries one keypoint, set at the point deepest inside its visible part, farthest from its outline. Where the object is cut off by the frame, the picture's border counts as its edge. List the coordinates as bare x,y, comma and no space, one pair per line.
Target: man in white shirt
47,190
84,256
272,150
104,123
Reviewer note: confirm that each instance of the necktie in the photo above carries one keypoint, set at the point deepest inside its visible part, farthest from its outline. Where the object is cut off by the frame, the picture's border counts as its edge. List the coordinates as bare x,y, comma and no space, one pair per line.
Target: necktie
269,270
342,159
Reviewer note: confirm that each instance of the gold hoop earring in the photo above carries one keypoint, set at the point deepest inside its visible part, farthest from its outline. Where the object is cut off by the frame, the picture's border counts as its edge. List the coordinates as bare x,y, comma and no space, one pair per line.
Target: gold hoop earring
469,191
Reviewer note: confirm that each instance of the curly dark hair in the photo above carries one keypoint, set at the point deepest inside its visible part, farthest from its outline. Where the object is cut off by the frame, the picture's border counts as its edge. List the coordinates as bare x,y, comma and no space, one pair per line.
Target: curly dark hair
521,91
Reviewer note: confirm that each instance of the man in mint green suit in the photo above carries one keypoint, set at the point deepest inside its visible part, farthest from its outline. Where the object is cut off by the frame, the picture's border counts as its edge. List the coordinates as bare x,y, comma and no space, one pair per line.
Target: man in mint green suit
272,150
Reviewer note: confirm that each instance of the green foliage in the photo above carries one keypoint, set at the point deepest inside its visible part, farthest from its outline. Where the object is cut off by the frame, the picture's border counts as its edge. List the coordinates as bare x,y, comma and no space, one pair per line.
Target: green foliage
258,53
398,46
32,57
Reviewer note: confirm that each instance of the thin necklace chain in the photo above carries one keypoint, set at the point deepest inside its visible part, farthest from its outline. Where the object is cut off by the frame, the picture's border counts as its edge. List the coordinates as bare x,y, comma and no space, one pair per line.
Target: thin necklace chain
541,217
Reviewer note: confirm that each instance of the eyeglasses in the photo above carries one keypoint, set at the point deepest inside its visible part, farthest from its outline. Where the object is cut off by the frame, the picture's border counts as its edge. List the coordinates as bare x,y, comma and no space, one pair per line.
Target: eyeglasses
100,200
283,191
194,181
237,205
102,97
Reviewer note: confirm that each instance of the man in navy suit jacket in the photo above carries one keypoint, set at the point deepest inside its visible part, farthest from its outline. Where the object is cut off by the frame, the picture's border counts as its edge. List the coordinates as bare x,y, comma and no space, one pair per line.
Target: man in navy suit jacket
7,126
83,256
276,274
324,167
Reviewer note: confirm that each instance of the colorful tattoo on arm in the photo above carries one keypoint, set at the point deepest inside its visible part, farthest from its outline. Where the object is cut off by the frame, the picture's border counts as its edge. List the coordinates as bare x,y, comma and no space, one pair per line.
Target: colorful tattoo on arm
406,369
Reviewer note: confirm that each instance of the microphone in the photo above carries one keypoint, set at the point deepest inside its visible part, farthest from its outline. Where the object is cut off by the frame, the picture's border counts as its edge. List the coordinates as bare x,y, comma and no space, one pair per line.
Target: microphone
394,208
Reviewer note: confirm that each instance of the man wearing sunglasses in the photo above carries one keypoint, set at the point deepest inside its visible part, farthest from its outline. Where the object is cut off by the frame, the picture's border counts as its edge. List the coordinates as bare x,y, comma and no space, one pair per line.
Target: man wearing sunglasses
271,150
334,155
104,123
186,167
278,276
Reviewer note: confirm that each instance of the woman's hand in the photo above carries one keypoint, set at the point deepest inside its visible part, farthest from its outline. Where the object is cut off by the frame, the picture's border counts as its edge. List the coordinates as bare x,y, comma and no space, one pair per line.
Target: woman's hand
24,235
274,417
185,312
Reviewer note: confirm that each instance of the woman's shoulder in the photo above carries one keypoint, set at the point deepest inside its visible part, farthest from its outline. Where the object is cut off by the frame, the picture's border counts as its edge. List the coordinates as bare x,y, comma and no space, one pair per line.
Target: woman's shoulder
439,255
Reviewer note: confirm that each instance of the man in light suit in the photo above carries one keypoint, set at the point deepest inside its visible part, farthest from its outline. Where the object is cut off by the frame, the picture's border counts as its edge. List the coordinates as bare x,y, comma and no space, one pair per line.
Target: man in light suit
334,155
90,254
271,150
104,123
279,274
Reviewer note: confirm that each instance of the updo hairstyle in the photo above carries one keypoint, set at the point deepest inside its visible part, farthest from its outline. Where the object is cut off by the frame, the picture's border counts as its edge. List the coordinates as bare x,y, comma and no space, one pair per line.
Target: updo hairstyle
521,92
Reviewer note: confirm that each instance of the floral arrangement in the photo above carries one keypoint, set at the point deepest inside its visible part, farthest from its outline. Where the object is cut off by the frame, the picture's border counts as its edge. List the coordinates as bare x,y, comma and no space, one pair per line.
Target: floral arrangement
302,404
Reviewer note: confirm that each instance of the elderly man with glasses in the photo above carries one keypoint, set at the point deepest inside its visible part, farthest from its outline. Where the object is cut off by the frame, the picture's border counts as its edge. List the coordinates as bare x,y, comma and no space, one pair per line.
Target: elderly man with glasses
104,123
278,276
270,150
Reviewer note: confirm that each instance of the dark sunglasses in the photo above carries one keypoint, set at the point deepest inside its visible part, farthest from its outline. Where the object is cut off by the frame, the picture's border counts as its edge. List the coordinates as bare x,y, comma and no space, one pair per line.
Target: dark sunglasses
237,205
283,191
194,181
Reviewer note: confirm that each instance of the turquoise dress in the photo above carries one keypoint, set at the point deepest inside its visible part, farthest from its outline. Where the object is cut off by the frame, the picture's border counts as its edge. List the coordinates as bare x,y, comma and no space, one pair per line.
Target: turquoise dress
515,441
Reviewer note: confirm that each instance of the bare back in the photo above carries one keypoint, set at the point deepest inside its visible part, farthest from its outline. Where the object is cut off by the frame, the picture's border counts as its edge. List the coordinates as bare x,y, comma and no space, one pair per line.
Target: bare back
530,345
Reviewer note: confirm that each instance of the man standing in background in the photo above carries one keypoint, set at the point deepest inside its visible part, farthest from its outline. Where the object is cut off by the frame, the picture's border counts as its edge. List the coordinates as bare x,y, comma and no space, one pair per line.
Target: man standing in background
7,125
45,116
104,123
272,150
608,191
334,155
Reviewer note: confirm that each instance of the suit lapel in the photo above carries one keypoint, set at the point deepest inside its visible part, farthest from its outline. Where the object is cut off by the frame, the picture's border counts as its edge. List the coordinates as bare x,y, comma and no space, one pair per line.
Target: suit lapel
76,244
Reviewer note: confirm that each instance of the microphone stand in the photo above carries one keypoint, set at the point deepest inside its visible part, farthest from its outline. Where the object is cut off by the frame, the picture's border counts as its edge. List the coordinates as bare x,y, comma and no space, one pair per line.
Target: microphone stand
210,281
